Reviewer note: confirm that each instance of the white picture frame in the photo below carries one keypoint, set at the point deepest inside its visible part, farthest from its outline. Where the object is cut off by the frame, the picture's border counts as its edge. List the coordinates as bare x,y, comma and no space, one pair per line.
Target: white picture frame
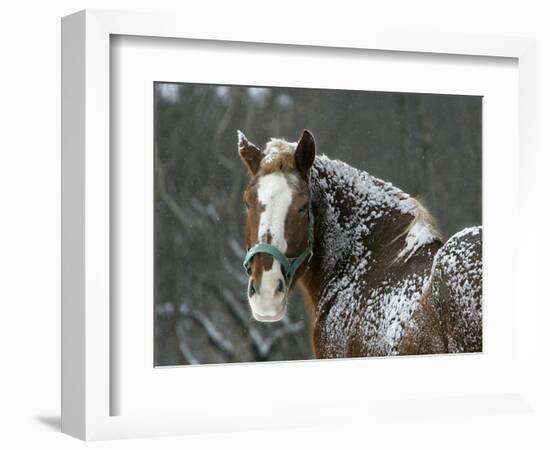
86,219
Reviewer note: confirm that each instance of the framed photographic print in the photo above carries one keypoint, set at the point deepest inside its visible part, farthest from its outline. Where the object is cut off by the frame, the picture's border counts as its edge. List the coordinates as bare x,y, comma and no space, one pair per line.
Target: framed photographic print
247,216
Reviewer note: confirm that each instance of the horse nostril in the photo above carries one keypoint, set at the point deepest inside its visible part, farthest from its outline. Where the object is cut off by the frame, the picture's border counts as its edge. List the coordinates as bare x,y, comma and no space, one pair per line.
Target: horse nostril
251,288
280,286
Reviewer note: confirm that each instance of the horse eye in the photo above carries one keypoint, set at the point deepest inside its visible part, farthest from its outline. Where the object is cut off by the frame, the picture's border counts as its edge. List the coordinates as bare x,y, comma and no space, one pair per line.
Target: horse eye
303,209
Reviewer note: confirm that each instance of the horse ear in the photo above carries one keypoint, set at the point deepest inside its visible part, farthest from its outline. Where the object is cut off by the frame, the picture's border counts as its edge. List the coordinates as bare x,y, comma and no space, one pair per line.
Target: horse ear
249,153
305,152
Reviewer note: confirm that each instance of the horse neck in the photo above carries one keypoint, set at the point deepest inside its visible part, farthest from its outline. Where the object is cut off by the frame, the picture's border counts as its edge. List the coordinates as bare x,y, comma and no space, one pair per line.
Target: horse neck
360,222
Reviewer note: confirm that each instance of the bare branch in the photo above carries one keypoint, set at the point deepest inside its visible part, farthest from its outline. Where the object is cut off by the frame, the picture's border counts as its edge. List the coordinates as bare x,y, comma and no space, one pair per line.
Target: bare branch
235,271
237,249
263,347
184,349
277,335
236,309
183,219
214,335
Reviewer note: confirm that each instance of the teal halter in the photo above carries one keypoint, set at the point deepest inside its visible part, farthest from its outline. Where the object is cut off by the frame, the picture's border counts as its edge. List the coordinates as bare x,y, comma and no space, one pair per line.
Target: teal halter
289,265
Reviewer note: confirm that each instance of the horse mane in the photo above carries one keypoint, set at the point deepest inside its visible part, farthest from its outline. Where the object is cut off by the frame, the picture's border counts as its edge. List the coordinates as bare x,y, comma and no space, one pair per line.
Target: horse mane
422,230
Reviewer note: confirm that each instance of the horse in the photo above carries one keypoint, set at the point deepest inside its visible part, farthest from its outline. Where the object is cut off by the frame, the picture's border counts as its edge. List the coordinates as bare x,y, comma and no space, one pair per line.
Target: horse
375,272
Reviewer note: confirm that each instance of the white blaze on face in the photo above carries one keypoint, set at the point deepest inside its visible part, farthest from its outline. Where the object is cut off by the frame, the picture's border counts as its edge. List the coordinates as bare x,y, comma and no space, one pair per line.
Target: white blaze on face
268,303
275,195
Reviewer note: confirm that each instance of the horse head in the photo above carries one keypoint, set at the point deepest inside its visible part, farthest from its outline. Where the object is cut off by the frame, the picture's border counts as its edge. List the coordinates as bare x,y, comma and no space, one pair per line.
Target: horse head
279,224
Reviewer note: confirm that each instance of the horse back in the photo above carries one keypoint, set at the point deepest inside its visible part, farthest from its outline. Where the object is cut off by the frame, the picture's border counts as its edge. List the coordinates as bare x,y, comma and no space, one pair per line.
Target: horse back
449,316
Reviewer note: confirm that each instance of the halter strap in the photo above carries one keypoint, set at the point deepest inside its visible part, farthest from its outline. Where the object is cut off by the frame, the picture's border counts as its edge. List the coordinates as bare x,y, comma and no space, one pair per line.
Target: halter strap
290,265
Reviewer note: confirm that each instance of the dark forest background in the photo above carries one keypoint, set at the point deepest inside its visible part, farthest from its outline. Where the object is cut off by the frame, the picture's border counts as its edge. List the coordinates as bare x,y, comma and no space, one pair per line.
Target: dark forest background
428,145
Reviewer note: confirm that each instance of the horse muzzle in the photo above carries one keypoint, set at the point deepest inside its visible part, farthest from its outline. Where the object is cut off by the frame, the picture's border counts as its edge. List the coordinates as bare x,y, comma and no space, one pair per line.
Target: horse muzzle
268,300
269,318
